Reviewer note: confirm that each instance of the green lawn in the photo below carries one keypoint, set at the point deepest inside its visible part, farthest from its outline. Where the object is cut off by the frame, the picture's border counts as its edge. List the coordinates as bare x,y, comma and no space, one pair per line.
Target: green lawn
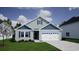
27,46
72,40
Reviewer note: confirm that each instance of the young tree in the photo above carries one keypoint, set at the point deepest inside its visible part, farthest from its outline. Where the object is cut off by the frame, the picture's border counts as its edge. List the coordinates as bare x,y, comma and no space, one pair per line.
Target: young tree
5,30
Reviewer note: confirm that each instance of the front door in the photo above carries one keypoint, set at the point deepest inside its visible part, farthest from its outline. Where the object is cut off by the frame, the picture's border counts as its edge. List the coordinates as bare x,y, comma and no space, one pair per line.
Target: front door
36,35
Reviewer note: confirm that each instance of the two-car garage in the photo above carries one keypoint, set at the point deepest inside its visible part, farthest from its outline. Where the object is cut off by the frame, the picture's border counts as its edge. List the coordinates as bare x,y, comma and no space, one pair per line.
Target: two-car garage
50,32
47,35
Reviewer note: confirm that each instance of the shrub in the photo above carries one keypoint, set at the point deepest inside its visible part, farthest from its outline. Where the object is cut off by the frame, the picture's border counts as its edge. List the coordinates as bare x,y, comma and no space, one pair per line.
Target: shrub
31,40
21,41
12,40
64,38
26,41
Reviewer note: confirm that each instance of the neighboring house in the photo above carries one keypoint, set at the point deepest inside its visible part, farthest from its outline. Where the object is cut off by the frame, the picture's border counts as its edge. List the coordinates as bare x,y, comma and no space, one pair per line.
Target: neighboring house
38,30
71,28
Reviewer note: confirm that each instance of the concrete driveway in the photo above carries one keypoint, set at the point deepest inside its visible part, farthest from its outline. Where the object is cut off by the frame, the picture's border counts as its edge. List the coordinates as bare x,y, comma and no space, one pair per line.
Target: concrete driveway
65,45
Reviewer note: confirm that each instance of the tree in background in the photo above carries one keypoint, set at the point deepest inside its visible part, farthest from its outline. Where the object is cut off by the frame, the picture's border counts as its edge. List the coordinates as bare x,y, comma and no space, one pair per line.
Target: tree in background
1,21
17,25
8,21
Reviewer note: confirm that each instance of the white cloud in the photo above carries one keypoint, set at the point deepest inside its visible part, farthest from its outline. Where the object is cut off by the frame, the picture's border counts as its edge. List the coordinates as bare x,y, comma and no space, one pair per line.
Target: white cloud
14,23
45,14
22,19
73,8
2,17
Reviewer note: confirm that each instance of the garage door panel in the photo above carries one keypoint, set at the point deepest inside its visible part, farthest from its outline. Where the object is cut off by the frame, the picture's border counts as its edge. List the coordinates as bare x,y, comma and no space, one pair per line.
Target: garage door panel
50,36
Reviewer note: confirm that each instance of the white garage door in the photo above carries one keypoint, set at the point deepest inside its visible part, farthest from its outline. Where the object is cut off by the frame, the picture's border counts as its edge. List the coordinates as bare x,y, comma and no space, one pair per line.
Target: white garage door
50,36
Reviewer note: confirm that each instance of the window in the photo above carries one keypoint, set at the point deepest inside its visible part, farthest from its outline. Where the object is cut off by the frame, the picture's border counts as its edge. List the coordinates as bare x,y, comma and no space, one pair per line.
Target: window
27,34
51,33
67,34
39,22
21,34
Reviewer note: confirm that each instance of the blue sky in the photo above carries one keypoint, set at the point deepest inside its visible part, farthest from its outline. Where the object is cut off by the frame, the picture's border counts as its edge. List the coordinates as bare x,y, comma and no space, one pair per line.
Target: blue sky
58,14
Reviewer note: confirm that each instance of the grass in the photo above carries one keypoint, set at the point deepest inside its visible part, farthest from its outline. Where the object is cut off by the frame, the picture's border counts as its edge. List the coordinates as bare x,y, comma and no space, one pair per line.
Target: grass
71,40
27,46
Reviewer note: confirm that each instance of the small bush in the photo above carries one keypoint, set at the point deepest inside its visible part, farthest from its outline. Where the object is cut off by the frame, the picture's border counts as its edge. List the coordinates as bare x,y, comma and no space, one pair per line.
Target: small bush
31,40
21,41
26,41
63,38
12,40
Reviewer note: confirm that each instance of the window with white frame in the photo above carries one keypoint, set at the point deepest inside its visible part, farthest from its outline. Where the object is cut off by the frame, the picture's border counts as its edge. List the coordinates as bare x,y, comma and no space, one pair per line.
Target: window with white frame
27,34
67,34
21,34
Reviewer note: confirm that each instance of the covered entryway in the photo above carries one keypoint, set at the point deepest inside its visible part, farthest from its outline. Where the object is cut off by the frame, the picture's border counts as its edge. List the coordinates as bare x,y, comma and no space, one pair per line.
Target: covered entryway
36,35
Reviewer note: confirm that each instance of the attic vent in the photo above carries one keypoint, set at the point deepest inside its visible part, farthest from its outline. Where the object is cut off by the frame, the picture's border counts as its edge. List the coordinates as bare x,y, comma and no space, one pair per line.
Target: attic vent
39,22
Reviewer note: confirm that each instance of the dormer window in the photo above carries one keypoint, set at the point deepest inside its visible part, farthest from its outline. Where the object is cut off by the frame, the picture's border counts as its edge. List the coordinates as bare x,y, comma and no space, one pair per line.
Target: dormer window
39,22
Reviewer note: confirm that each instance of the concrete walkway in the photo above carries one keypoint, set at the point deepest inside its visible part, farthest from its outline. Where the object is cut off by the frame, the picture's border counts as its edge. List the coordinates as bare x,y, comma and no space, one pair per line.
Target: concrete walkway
65,45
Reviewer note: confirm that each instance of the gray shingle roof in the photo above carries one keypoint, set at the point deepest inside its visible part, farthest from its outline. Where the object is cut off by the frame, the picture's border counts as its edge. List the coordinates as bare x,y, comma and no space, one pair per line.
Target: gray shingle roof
71,20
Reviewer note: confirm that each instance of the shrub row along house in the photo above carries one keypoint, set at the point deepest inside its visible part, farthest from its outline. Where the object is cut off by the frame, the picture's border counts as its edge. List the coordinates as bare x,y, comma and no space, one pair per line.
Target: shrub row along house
38,30
71,28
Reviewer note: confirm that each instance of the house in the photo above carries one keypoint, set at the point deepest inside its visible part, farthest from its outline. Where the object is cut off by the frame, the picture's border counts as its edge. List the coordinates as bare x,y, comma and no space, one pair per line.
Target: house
71,28
38,30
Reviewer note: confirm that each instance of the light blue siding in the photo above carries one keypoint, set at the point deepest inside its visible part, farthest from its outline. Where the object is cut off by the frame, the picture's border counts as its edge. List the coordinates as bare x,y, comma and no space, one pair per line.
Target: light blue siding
50,26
